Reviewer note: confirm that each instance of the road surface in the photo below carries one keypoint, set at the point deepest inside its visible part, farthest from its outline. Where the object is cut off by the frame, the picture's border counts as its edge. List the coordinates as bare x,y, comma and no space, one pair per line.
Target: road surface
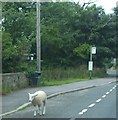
98,102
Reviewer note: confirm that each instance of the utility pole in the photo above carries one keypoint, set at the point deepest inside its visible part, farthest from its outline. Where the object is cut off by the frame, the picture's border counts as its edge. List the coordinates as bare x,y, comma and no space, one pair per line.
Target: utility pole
38,38
38,72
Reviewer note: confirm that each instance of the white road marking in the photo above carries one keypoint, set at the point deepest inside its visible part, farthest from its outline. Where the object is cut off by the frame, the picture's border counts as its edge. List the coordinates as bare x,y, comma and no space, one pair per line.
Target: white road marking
107,93
111,90
98,100
91,105
103,96
83,111
80,113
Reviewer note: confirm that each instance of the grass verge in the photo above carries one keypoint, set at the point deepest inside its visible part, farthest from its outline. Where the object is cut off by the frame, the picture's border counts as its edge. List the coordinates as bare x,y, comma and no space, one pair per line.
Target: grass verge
61,82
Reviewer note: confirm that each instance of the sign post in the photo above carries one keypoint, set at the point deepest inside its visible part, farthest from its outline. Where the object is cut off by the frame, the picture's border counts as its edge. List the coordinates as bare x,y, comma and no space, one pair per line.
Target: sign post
90,64
90,68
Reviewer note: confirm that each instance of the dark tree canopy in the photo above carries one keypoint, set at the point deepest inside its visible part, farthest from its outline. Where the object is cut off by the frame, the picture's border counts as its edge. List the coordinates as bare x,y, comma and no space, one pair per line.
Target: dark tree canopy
67,32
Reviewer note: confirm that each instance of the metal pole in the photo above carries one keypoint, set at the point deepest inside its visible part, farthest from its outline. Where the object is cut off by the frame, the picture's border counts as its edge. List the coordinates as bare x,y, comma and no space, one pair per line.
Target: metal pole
38,38
90,60
90,75
91,53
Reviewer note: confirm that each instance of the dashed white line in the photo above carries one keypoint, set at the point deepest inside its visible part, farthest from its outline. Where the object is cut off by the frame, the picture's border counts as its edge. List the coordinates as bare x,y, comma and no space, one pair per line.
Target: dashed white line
83,111
91,105
98,100
111,90
107,93
103,96
114,87
80,113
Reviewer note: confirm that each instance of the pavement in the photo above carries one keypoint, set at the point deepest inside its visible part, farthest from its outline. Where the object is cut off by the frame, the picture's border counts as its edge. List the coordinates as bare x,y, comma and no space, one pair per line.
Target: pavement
18,100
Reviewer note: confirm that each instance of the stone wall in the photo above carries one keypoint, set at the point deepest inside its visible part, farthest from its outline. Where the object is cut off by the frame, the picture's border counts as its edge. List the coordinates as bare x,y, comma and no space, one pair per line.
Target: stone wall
14,80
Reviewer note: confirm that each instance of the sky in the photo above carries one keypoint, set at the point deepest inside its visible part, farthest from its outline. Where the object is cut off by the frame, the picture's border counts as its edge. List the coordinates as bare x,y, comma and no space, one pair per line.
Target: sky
106,4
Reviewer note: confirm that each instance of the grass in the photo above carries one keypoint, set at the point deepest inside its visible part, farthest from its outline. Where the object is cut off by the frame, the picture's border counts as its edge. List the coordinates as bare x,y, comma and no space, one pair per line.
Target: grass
60,76
60,73
61,82
5,89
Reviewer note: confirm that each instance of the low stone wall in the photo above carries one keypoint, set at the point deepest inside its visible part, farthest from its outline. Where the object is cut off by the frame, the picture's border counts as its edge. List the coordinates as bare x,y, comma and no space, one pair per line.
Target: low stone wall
14,81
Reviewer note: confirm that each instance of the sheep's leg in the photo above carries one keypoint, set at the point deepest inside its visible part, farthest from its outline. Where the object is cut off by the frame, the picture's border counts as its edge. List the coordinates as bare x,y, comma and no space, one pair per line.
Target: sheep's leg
35,111
40,110
44,108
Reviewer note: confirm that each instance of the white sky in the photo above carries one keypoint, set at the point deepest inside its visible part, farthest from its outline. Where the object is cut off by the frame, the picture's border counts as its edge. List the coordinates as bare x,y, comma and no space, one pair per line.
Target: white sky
106,4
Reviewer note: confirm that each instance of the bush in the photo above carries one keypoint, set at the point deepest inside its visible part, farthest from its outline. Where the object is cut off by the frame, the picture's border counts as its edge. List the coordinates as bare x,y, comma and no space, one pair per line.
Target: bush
60,73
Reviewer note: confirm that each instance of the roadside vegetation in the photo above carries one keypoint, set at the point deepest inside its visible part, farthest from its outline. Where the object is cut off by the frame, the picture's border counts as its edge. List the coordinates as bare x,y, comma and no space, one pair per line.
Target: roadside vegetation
68,30
62,76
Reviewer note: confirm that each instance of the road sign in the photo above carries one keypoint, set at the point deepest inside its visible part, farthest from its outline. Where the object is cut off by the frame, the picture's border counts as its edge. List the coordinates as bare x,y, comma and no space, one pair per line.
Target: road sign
90,66
93,50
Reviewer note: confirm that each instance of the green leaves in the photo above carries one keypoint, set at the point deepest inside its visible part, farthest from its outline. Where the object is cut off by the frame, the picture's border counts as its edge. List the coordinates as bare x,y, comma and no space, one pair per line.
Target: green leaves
82,51
67,31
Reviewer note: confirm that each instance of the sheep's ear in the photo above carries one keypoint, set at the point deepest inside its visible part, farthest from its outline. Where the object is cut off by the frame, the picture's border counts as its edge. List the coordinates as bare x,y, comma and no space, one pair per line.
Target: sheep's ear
35,95
29,94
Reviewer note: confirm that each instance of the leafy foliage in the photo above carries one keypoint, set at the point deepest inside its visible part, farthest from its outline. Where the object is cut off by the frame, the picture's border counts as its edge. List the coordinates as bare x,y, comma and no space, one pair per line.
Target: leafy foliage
67,32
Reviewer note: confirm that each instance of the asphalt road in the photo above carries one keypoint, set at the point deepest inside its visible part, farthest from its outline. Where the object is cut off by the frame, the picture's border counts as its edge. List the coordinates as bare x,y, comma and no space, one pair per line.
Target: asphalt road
20,97
98,102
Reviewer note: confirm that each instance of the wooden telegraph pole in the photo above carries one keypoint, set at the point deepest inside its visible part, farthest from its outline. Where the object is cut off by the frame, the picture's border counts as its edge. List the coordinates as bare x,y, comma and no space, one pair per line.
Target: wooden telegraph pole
38,41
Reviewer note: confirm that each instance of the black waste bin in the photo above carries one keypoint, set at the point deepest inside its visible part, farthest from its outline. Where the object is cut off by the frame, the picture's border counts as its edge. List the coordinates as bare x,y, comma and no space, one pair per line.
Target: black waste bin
35,78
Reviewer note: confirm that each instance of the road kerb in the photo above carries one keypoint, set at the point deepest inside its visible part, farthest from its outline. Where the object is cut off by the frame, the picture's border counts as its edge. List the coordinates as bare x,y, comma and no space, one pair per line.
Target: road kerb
16,110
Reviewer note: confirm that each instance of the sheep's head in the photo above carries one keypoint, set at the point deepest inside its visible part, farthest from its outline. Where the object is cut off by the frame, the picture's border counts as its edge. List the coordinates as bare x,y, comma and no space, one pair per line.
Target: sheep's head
31,97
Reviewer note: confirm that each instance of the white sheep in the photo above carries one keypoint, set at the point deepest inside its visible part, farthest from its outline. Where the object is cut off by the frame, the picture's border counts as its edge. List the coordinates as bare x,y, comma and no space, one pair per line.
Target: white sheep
38,99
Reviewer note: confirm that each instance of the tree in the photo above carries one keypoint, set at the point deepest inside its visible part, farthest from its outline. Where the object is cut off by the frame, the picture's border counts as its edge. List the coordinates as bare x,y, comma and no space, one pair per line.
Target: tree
67,31
19,33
